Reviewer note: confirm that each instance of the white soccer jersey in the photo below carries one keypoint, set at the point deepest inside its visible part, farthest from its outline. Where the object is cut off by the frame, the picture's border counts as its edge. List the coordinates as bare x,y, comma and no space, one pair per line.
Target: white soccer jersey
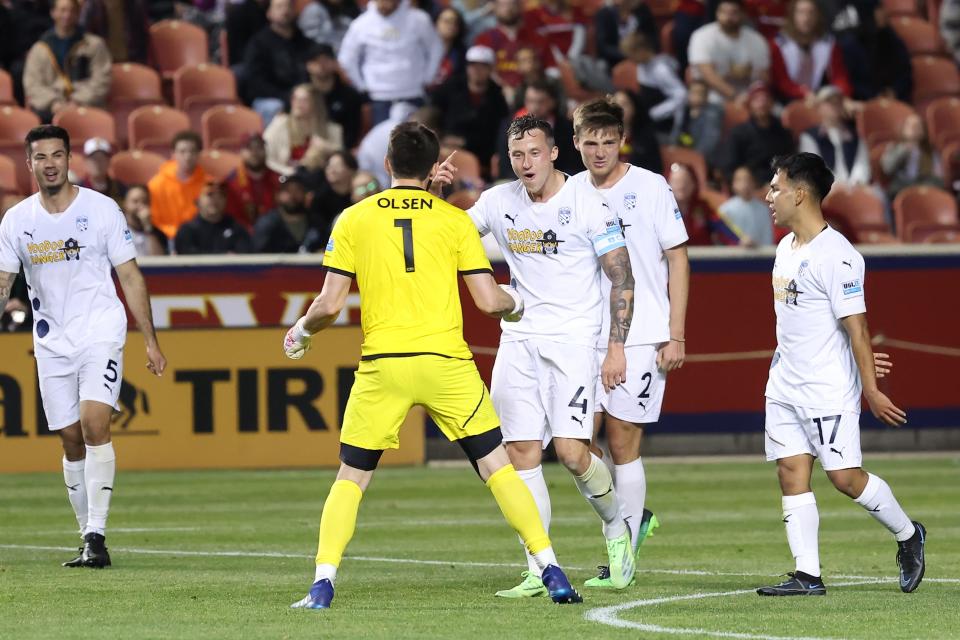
651,223
813,288
67,259
552,249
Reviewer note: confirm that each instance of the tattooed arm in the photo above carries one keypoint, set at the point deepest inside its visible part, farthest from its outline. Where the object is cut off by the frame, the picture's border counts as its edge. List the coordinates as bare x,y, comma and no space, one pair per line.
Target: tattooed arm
616,265
6,285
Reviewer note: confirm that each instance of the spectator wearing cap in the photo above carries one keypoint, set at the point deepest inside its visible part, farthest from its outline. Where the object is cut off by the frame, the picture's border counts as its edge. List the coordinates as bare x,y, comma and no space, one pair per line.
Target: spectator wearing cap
275,61
176,187
96,160
729,54
289,227
836,140
251,186
147,239
508,37
211,231
66,66
392,53
618,20
473,105
756,142
804,56
305,137
661,91
344,103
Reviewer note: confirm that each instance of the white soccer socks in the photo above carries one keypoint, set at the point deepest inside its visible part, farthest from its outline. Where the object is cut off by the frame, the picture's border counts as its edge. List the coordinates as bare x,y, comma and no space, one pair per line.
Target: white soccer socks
534,480
99,471
802,522
596,485
878,500
631,483
76,490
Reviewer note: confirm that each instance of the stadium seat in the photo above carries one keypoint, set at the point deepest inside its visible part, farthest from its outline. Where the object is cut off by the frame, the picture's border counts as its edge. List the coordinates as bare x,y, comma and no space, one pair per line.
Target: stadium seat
464,198
694,159
919,36
901,7
798,116
881,120
943,121
571,86
625,76
224,44
950,163
876,170
8,175
933,77
132,85
733,114
24,182
8,201
219,164
175,43
153,127
871,234
83,123
225,126
468,167
6,88
860,208
196,88
15,123
135,167
925,206
935,233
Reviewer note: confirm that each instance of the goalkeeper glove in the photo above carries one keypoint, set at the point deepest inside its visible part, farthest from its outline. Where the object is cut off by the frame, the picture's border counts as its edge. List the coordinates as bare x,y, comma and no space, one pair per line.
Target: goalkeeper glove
517,312
297,341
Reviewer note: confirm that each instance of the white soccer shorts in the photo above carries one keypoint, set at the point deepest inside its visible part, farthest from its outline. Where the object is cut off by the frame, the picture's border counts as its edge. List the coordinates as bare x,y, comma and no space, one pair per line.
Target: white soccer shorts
832,436
543,390
94,374
639,399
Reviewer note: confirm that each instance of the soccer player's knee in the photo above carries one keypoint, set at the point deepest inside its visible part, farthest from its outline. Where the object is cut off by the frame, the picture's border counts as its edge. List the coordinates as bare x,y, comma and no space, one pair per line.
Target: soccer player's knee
479,446
573,457
359,458
847,481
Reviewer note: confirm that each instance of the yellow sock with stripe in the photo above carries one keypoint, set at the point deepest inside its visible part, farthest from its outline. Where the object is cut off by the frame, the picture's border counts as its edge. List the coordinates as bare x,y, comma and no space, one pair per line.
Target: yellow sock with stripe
516,503
337,524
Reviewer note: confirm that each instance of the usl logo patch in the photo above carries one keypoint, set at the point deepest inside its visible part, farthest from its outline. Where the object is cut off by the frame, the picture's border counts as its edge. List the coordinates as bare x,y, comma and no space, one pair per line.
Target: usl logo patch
852,287
330,244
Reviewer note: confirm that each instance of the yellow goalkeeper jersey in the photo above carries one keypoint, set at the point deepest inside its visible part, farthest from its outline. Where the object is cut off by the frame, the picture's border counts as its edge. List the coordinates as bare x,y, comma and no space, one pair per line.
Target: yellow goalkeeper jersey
406,247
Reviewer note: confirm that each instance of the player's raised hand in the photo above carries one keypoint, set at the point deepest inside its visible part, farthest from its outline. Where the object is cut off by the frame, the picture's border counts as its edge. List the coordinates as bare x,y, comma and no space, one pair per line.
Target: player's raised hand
671,356
614,369
156,362
297,341
884,409
882,364
446,174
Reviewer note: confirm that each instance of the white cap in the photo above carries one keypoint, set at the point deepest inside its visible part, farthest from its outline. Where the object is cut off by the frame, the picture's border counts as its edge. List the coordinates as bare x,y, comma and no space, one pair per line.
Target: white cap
93,145
480,53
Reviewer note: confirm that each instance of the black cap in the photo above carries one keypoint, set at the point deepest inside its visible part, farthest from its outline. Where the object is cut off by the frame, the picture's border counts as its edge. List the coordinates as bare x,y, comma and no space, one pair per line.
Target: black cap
294,178
321,49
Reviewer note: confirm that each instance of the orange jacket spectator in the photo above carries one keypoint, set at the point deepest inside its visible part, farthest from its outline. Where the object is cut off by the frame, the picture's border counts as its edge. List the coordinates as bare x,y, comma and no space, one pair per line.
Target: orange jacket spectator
176,187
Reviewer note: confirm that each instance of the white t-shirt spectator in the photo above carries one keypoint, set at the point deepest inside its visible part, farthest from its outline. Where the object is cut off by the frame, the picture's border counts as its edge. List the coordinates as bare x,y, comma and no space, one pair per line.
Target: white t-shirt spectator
740,61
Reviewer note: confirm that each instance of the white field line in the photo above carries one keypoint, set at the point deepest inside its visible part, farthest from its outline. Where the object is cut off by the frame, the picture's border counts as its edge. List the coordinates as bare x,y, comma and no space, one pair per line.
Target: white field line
462,563
609,615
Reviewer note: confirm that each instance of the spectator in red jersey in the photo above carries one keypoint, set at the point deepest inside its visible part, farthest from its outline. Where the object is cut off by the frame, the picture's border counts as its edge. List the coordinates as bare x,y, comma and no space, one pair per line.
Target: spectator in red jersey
805,56
562,26
704,225
615,21
251,186
508,37
452,32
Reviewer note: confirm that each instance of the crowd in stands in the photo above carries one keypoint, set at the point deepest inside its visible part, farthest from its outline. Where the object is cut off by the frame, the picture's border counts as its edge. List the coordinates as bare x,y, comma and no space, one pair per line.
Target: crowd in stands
264,156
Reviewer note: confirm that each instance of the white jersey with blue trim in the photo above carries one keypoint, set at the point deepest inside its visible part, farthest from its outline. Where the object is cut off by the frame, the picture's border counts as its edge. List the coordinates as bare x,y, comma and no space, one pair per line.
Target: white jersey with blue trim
651,224
67,259
814,287
553,250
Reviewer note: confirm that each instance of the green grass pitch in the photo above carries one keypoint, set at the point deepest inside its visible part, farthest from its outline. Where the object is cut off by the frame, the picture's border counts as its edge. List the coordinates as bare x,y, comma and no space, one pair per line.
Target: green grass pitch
223,554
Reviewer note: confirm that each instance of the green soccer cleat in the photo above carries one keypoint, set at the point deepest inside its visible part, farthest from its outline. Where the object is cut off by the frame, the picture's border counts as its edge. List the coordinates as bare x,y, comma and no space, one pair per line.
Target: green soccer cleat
622,565
648,523
531,587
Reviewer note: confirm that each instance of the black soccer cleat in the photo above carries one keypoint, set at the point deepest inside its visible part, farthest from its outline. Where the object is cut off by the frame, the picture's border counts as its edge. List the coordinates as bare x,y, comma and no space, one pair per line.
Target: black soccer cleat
799,584
910,559
76,562
94,554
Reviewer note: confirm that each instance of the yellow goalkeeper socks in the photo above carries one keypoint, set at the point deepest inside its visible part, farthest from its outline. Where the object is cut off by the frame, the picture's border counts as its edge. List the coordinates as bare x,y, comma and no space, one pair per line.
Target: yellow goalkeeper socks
518,507
338,521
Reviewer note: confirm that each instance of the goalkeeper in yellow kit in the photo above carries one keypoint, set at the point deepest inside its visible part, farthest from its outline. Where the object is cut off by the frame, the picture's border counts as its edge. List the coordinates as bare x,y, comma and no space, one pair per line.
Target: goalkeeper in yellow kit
405,247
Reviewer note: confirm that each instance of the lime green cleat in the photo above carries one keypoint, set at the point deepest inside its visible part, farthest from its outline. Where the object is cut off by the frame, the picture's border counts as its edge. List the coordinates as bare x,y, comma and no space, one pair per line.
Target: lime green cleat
647,526
531,587
622,564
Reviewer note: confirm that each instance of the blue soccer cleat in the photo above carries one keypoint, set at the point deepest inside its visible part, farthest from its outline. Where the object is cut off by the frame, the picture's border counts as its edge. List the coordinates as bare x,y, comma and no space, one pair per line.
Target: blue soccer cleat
321,593
559,587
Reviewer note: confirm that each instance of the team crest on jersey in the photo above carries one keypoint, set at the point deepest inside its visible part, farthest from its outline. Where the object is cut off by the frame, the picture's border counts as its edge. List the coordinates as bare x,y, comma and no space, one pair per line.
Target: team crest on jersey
549,243
564,215
629,201
83,223
803,268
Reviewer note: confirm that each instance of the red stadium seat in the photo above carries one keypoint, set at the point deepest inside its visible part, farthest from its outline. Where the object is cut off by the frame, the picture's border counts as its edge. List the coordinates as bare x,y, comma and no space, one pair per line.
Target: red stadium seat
6,88
219,164
83,123
933,77
15,123
625,76
132,85
571,86
468,167
733,114
918,35
924,206
135,167
938,233
798,116
694,159
196,88
8,175
175,43
152,127
881,120
861,210
24,182
225,127
943,121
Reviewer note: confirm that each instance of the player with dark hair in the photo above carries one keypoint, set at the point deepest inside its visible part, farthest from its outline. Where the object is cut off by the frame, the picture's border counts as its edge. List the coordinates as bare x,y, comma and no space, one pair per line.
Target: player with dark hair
67,238
405,247
822,366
